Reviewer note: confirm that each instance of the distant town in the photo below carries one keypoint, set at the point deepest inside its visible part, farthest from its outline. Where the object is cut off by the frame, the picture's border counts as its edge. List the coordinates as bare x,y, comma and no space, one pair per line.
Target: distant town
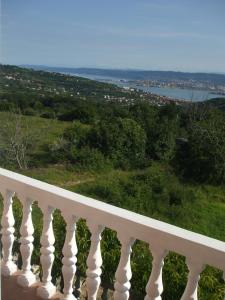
183,84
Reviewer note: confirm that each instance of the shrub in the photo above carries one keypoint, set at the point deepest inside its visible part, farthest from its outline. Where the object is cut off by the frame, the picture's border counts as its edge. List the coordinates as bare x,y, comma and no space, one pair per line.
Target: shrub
175,197
66,147
58,150
88,159
203,157
48,114
122,140
29,111
76,135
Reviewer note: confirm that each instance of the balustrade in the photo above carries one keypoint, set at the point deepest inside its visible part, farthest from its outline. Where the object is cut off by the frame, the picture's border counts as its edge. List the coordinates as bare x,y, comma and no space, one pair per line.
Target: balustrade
198,249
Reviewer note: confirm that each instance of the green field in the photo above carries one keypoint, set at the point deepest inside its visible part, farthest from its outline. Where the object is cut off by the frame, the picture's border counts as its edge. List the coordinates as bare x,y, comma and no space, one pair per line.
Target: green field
44,130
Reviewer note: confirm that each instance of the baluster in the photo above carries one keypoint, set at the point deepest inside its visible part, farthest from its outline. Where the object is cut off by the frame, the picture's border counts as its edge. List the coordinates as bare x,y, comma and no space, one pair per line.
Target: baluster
47,289
123,272
26,278
69,259
224,280
154,286
195,268
8,267
94,261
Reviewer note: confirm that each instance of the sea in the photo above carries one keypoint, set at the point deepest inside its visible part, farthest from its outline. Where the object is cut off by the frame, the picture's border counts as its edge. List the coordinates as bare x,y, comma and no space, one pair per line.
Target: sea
173,93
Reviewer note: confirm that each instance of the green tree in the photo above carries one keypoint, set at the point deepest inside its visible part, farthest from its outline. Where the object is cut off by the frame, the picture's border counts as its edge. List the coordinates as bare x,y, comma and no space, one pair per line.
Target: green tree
122,140
165,133
146,115
203,158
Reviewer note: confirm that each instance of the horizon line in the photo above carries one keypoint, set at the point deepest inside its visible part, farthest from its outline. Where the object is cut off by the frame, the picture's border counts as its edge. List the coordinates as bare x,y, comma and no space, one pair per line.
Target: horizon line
119,69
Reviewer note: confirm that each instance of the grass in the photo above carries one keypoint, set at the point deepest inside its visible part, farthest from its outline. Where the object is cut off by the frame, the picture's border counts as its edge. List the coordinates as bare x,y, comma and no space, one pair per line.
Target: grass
202,208
148,192
59,175
39,132
43,131
155,192
48,129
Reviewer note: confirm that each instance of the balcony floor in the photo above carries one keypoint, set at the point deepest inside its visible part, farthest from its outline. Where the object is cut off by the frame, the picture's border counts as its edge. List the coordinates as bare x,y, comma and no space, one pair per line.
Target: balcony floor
12,291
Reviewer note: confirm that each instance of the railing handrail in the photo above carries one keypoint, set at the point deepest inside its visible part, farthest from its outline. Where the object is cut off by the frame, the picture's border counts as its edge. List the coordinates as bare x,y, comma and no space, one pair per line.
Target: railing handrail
208,250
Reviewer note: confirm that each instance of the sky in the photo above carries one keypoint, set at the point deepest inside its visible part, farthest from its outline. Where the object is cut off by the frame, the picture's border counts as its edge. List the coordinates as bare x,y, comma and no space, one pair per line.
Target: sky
180,35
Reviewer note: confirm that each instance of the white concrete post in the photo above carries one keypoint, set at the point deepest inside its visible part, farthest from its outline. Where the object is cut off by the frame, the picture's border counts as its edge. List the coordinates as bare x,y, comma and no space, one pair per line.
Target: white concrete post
8,267
224,280
26,278
195,268
47,289
69,259
94,261
154,286
123,272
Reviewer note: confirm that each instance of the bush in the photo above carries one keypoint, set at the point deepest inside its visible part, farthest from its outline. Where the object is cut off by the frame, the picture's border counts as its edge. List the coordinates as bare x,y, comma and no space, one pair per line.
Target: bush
29,112
88,159
83,112
48,115
122,140
176,196
203,157
58,150
66,147
77,134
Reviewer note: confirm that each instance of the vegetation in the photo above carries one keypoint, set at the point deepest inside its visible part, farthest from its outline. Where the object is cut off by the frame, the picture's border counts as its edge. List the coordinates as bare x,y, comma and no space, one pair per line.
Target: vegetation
163,162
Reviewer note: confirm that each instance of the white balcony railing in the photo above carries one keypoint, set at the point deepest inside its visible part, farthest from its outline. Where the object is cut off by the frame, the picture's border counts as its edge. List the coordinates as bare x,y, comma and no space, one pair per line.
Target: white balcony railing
199,250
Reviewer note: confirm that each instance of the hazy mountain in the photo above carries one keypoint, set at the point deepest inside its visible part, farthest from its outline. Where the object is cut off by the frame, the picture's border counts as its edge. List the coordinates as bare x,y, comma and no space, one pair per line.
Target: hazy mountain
139,74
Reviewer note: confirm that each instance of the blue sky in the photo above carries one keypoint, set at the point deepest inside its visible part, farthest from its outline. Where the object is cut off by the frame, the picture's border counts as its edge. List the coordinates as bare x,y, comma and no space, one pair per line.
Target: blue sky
186,35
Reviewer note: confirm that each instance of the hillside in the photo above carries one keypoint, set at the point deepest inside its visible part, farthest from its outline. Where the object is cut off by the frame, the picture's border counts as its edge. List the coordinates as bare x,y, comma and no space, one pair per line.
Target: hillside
56,95
43,83
154,160
140,74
